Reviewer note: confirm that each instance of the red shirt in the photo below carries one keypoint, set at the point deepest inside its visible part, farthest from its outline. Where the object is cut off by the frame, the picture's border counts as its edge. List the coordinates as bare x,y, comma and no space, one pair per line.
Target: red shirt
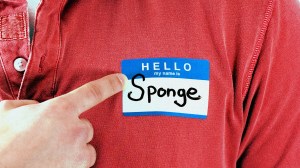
254,52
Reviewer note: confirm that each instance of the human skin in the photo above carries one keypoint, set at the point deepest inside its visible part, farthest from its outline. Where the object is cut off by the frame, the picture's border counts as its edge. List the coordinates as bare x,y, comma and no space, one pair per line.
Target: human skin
51,134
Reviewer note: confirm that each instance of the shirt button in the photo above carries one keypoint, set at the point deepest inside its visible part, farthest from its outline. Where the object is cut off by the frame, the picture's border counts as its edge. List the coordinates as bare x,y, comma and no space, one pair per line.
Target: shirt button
20,64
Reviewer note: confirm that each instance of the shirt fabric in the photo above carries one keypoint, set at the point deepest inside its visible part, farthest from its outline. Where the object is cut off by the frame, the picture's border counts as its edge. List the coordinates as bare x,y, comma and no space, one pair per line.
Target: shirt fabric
254,52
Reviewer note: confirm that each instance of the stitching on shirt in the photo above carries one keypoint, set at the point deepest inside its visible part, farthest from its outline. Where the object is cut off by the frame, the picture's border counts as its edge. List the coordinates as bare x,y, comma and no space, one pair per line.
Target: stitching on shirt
53,90
29,64
13,26
258,47
7,79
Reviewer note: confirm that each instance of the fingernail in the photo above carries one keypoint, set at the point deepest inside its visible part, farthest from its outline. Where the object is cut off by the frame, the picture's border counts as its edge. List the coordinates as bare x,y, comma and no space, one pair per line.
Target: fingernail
123,79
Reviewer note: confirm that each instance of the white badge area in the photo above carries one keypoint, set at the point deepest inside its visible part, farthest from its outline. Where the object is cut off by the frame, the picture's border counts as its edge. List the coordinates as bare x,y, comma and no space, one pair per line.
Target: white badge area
166,86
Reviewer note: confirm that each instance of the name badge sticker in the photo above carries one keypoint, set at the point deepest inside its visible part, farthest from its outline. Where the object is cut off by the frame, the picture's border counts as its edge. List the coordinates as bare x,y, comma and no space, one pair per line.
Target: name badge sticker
166,86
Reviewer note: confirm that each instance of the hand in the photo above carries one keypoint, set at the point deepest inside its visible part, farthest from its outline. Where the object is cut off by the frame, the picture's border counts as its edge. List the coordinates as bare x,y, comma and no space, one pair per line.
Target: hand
50,134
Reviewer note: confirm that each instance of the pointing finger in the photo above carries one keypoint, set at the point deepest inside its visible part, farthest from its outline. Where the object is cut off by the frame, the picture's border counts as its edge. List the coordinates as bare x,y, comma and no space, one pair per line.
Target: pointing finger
90,94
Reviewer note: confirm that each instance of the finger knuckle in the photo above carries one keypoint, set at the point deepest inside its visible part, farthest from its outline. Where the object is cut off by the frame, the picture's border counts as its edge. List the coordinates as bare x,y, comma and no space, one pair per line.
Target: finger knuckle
77,133
58,106
89,131
83,132
64,105
94,91
92,156
115,83
86,157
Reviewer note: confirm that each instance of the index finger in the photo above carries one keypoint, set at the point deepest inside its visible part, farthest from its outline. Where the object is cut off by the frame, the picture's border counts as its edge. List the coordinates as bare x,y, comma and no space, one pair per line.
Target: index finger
90,94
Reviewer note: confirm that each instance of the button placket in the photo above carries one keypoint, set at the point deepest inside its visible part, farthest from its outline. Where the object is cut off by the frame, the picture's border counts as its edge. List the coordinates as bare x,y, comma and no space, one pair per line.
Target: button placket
13,46
44,59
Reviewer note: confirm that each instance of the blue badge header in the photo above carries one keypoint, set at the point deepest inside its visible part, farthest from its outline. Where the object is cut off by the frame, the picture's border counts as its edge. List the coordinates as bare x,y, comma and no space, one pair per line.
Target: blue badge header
167,68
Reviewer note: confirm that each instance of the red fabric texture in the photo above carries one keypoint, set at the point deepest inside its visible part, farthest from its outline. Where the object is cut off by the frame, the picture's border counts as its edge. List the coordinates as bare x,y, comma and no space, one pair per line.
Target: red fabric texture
254,53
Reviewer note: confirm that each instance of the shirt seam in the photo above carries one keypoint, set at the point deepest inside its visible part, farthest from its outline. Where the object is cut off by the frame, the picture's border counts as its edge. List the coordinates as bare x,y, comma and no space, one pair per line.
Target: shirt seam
53,90
258,46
